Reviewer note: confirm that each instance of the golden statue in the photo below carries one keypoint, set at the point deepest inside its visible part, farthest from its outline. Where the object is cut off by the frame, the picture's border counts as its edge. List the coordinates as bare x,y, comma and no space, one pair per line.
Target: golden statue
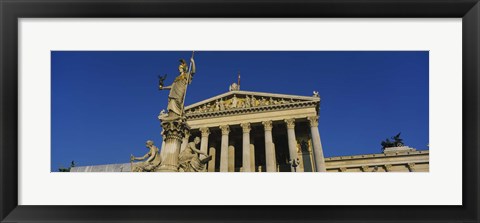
178,90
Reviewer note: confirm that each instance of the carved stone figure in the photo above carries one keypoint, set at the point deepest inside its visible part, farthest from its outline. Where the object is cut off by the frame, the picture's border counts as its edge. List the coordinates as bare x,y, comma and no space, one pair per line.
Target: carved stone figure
270,101
263,101
177,90
189,160
217,105
248,102
241,103
234,87
254,101
152,159
315,94
162,113
234,101
222,105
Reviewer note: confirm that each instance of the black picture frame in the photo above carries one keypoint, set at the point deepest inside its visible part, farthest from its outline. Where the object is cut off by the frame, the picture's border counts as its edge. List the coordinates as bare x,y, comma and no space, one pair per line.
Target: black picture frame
11,11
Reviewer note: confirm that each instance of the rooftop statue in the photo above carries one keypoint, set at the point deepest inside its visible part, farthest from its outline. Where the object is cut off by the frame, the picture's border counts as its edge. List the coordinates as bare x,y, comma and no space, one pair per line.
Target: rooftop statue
234,87
397,142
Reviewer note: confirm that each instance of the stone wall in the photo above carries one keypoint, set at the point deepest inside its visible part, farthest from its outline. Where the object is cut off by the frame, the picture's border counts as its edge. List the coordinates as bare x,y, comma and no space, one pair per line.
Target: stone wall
402,161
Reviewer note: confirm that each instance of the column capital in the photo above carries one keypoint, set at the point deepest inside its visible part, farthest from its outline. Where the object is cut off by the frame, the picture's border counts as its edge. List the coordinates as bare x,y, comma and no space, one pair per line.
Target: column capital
290,123
205,131
225,129
267,125
246,127
174,129
313,121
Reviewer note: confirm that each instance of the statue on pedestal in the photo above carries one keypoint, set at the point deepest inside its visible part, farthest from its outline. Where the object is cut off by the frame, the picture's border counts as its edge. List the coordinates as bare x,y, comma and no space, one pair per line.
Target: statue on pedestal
152,159
397,142
189,160
174,124
178,90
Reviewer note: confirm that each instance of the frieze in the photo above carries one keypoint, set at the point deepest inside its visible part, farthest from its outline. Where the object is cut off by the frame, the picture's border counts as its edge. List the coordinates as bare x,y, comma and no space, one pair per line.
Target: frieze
224,109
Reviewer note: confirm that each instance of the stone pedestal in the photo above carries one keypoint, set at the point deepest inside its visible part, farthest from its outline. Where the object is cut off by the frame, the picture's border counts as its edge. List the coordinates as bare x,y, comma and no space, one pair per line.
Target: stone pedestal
173,134
398,149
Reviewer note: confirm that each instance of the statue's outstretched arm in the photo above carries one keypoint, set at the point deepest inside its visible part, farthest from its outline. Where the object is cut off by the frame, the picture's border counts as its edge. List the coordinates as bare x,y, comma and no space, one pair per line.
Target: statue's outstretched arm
165,87
142,158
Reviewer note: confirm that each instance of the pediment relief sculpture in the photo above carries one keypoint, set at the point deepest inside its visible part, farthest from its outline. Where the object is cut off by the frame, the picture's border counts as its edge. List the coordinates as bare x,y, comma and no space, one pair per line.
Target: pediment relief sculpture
239,101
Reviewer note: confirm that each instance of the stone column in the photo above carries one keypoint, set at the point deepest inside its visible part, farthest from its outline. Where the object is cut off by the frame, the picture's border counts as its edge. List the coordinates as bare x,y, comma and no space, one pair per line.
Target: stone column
224,148
173,133
162,156
252,158
211,163
269,150
185,141
231,158
292,140
246,147
204,142
317,145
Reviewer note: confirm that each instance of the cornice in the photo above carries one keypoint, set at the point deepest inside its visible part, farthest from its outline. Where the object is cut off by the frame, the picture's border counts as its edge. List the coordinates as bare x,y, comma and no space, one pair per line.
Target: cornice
241,111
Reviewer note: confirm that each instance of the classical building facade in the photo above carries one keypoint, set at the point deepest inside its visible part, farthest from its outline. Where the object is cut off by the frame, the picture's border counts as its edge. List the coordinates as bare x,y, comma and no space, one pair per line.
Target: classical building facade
247,131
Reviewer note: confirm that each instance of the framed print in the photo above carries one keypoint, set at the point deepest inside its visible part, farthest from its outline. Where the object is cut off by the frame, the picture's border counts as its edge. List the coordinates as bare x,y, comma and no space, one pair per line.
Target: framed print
204,111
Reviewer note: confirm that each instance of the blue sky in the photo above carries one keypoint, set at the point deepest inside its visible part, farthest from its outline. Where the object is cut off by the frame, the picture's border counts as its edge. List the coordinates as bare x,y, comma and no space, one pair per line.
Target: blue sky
105,103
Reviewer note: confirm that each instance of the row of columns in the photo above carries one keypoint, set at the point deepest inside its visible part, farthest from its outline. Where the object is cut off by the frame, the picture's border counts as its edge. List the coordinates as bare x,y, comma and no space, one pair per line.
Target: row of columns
269,146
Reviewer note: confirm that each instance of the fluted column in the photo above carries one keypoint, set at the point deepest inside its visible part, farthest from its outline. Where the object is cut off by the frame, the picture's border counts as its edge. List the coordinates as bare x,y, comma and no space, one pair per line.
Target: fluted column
269,149
204,142
317,145
292,140
173,133
211,163
252,158
231,158
224,148
246,147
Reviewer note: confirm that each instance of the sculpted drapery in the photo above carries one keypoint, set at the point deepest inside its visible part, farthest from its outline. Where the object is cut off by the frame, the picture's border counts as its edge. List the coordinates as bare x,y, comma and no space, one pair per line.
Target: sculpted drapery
178,90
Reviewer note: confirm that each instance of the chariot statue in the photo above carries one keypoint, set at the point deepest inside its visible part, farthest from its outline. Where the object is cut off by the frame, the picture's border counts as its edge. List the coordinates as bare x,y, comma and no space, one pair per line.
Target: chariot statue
397,142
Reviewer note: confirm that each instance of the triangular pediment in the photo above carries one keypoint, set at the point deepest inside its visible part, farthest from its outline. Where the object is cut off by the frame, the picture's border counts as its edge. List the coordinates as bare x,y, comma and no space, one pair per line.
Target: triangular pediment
240,101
